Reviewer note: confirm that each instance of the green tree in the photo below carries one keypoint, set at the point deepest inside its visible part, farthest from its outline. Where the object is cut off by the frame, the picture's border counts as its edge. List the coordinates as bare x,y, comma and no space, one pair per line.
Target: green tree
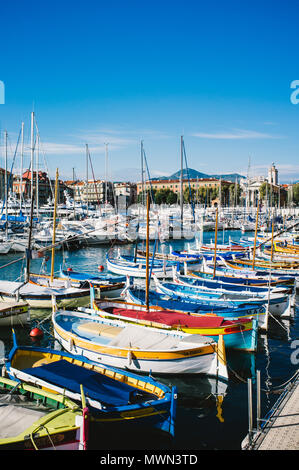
295,191
264,190
186,195
171,198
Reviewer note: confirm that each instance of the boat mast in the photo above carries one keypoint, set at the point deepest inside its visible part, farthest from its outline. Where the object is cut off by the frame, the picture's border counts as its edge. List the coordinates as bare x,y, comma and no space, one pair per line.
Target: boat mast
255,234
32,151
272,239
5,185
36,175
21,171
142,176
181,184
215,250
74,194
147,252
87,192
54,228
28,254
106,174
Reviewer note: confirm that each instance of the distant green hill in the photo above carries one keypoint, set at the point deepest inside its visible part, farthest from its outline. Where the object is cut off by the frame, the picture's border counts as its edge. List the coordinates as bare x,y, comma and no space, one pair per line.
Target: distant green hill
197,174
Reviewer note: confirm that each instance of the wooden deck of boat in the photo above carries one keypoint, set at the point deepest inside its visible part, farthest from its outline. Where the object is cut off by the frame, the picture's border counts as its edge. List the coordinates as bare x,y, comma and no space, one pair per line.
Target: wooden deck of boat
281,431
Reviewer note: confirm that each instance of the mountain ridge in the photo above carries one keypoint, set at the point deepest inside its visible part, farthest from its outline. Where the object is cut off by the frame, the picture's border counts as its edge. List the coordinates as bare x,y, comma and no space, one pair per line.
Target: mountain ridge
193,174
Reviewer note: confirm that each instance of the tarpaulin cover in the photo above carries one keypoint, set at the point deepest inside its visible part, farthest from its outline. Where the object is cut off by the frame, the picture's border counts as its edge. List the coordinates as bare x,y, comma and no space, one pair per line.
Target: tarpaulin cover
173,318
95,385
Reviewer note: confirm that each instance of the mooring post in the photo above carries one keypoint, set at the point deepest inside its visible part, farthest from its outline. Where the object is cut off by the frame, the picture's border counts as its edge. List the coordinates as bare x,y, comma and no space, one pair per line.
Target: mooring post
249,384
258,399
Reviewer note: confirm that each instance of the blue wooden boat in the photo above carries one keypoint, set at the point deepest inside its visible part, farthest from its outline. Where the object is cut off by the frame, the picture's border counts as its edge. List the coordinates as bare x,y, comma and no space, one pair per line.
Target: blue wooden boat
112,395
137,296
215,284
282,282
208,255
137,269
238,333
279,303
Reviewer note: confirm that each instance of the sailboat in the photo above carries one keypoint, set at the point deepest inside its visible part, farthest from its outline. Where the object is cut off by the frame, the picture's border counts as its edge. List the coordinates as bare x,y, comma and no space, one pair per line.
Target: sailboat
40,296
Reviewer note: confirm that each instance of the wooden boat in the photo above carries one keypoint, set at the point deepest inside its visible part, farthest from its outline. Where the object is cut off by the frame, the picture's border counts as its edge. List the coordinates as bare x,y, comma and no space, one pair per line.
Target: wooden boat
38,296
244,280
263,264
279,304
138,348
137,296
223,248
167,257
112,395
13,313
256,275
36,419
209,255
216,285
128,268
286,248
103,289
237,334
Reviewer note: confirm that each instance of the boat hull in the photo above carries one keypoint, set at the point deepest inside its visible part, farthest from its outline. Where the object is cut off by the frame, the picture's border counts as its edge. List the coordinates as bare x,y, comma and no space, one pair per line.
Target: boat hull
192,359
157,408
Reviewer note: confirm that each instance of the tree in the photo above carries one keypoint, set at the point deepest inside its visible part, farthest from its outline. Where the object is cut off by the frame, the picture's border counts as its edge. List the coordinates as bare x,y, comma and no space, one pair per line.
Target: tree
186,195
234,194
295,190
171,198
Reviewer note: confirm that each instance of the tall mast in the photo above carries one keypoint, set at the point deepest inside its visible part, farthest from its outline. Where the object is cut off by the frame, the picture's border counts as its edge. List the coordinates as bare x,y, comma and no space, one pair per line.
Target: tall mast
21,171
54,228
36,175
32,151
87,177
28,254
215,249
106,170
181,183
74,194
147,252
5,183
255,235
142,180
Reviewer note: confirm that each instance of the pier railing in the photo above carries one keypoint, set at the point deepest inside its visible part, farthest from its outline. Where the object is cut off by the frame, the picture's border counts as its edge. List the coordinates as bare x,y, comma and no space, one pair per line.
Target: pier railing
262,424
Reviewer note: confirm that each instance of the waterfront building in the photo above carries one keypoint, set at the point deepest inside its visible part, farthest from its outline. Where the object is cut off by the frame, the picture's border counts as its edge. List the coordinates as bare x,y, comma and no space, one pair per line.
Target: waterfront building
2,183
273,175
93,192
261,188
42,184
204,190
125,193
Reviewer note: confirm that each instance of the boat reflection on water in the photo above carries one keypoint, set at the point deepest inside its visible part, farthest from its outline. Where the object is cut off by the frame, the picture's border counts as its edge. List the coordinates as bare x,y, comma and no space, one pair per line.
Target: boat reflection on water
199,393
241,365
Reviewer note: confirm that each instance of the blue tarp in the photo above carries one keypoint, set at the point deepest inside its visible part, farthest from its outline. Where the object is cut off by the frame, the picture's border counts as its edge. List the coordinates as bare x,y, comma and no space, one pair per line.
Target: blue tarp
95,385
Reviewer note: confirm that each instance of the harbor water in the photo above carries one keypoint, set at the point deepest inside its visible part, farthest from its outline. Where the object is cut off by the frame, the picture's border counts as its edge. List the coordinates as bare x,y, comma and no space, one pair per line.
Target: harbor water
211,415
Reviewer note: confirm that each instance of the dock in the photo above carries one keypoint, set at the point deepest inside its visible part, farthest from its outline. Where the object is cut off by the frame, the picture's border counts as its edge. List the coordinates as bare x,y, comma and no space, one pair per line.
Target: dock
280,429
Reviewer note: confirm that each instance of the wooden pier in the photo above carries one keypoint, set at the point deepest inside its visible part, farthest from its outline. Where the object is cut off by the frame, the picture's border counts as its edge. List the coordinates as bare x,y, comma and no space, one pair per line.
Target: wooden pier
280,429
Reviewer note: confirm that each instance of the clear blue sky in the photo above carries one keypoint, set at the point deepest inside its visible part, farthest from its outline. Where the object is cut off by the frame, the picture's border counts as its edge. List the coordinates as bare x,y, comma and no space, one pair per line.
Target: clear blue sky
119,72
